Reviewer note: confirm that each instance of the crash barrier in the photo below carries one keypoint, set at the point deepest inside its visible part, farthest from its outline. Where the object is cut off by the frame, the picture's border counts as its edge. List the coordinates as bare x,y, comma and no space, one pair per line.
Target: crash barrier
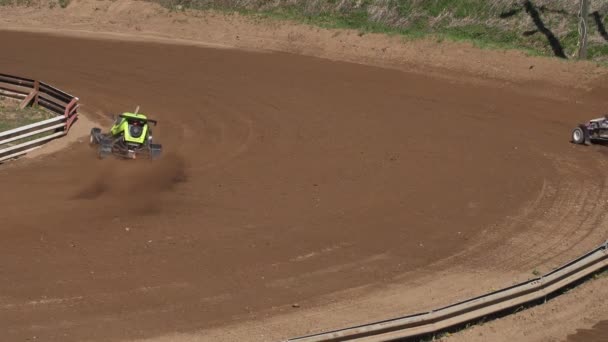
21,140
456,314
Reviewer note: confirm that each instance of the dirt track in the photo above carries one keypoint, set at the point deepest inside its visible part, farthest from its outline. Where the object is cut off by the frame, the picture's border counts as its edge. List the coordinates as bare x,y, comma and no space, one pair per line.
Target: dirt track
286,178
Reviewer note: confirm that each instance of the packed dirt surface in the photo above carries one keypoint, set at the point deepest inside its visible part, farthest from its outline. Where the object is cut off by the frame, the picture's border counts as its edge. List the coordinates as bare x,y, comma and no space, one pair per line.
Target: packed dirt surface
597,333
343,188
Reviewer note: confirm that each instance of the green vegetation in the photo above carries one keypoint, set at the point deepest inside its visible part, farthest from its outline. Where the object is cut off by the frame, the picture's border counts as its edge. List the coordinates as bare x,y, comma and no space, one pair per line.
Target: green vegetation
16,2
11,116
51,3
540,27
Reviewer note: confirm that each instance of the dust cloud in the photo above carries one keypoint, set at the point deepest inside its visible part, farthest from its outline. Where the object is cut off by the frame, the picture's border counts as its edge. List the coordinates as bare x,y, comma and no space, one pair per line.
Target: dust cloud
137,180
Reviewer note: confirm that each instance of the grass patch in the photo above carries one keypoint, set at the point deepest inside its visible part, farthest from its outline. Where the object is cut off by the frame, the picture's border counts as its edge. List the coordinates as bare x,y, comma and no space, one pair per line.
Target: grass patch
459,8
16,2
12,117
480,35
26,3
598,51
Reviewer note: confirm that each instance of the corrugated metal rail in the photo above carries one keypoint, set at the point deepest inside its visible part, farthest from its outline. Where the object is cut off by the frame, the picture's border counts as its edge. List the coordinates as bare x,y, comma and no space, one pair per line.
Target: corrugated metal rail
471,309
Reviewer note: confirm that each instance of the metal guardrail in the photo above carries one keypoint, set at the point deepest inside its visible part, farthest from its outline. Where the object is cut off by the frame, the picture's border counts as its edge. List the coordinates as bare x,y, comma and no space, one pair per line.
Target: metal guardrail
18,141
437,320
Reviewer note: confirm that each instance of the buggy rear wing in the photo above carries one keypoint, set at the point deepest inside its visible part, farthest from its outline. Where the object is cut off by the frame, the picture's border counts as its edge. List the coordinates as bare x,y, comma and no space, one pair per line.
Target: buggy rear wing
154,122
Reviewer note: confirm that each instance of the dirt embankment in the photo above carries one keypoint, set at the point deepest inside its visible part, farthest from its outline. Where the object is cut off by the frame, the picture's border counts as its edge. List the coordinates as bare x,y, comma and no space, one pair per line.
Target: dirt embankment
346,188
128,20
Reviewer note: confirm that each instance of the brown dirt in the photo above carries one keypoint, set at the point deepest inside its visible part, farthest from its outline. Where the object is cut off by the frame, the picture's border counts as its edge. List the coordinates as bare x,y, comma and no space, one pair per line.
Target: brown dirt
597,333
344,188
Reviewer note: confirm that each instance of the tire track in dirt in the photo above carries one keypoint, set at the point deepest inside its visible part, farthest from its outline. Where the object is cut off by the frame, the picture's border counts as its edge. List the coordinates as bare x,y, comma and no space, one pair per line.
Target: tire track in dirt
271,157
565,220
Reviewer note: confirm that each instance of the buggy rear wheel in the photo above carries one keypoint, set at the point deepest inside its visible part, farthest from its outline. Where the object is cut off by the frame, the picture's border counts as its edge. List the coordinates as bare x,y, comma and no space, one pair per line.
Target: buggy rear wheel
155,151
578,136
103,153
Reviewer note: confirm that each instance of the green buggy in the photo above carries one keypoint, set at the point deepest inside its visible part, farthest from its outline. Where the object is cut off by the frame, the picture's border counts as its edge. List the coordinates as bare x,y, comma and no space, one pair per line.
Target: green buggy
129,137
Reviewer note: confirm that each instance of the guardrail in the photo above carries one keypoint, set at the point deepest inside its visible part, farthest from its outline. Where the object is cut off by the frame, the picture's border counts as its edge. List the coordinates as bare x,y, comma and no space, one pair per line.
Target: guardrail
471,309
19,141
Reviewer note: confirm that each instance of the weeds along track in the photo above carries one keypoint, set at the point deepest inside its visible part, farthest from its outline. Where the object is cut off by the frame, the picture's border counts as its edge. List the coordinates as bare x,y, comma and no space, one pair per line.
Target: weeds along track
285,178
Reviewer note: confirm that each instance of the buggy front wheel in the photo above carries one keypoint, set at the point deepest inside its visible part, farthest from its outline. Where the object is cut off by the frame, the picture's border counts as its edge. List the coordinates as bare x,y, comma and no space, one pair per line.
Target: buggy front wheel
93,137
578,136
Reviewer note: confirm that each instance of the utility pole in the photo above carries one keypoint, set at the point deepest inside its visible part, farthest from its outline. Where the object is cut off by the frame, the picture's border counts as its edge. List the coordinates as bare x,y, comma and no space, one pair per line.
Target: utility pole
583,14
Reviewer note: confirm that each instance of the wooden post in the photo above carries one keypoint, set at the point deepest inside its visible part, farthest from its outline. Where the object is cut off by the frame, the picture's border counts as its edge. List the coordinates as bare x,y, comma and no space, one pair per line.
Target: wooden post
36,89
31,97
583,14
68,110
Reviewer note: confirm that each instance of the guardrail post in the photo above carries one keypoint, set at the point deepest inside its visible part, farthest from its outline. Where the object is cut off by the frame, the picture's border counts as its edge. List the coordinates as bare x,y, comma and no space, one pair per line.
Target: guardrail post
541,280
32,96
68,109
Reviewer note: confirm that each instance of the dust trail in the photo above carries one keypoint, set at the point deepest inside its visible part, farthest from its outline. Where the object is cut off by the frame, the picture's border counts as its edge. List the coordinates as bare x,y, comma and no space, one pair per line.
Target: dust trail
134,180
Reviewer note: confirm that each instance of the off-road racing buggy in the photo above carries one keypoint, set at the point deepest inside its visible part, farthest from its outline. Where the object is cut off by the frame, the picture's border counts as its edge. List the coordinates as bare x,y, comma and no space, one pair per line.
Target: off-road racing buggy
594,131
129,137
